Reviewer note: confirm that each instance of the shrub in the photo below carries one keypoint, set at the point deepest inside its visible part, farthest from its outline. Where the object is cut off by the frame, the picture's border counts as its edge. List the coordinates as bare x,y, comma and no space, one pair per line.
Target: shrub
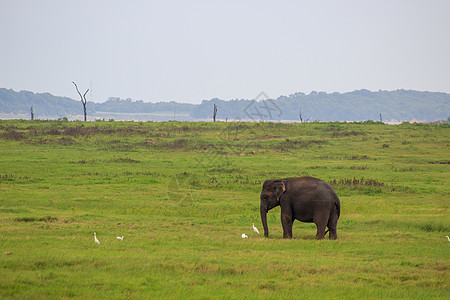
13,135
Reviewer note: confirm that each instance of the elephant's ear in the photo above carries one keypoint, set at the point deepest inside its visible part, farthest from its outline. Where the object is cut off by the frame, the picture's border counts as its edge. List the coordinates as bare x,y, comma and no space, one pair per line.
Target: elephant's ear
278,189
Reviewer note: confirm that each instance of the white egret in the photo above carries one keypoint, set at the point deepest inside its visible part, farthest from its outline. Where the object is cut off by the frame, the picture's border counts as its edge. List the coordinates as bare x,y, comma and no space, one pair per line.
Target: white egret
255,229
244,236
448,238
95,238
120,238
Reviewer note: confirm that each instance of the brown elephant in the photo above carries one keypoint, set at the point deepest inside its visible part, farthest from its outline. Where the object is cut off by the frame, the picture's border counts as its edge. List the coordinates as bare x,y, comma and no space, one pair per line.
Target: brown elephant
306,199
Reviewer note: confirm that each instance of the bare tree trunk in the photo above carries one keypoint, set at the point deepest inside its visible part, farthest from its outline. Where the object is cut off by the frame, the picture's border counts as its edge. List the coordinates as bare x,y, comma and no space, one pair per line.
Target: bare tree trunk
215,112
83,100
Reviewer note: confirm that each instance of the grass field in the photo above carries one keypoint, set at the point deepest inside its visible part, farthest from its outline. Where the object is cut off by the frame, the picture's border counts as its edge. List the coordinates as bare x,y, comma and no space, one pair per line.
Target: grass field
182,194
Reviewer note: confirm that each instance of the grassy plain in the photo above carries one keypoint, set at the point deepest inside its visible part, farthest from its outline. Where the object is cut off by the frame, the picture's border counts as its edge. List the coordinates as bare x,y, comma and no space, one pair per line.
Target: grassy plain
183,193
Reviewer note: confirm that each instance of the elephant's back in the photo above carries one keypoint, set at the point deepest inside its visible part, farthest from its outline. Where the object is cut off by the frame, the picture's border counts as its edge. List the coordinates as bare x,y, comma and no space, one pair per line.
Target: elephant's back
304,182
312,187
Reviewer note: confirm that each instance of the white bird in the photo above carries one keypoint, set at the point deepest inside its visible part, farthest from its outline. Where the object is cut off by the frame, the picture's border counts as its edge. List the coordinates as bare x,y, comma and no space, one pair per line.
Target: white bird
255,229
120,238
244,236
448,238
95,238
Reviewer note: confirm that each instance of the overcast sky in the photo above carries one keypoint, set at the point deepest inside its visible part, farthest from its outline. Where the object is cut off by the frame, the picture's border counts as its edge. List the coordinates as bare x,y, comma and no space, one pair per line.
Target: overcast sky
188,51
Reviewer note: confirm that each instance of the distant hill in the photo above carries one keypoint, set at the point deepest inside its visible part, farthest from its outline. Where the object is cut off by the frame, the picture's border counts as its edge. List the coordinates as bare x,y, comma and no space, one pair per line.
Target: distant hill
361,105
46,106
19,103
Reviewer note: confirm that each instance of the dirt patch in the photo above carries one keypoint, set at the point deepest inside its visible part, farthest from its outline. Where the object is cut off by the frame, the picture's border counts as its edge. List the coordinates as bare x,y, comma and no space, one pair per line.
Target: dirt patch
269,137
346,134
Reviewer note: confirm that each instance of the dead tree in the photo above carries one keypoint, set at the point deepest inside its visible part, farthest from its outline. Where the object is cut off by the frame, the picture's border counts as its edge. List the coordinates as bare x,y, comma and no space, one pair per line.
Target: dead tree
83,100
215,112
300,115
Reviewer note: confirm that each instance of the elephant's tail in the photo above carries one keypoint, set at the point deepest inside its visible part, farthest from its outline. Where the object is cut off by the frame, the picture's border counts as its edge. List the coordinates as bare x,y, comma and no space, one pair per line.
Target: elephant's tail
337,211
337,203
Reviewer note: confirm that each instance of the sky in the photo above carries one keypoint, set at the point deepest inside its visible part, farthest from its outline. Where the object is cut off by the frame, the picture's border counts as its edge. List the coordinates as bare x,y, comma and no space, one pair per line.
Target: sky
189,51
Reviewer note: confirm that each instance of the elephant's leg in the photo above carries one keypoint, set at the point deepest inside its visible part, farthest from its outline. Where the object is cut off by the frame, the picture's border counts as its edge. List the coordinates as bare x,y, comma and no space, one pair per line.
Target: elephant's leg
332,226
321,221
320,231
286,221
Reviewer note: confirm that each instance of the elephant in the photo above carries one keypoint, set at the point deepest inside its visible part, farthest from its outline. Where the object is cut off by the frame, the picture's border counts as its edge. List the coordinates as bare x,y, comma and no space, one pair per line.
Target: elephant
306,199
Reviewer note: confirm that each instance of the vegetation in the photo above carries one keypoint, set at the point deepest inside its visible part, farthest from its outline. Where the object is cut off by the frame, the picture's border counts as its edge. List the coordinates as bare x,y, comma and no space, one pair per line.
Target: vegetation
182,194
359,105
47,106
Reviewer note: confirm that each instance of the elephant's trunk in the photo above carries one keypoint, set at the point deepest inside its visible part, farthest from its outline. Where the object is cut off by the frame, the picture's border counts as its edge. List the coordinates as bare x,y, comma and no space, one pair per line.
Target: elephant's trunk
263,211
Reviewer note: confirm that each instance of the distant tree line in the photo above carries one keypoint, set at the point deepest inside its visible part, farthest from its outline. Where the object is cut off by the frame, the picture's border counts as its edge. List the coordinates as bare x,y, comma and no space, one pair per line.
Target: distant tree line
114,104
44,104
361,105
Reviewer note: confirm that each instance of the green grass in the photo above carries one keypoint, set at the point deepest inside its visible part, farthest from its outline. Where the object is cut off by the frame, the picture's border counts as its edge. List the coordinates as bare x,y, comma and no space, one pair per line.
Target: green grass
182,194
